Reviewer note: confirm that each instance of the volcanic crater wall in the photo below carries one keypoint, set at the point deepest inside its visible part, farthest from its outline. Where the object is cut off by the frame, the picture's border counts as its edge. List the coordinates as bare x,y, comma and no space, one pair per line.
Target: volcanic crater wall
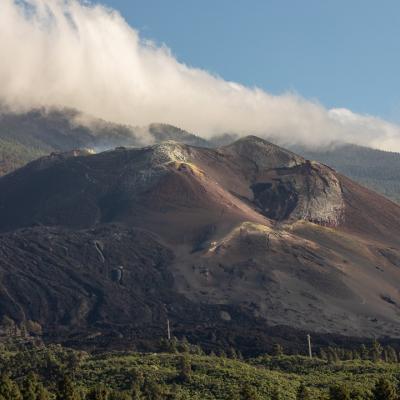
309,192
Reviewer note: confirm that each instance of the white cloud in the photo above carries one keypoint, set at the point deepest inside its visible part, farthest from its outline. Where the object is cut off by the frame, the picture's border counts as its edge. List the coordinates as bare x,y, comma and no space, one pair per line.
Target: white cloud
65,53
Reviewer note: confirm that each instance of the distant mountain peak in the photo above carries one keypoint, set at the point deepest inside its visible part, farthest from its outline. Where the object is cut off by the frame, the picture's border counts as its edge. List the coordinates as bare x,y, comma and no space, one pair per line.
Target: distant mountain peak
263,153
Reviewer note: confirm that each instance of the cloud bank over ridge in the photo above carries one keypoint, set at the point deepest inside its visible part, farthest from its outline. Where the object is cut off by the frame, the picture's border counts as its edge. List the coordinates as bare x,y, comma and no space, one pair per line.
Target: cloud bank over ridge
71,54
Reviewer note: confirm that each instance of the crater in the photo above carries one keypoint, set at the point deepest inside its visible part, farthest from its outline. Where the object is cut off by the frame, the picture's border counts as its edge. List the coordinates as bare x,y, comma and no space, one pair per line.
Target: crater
277,200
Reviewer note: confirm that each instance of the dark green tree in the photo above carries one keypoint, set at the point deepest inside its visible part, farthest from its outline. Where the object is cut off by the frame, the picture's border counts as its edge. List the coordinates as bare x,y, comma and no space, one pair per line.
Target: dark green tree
66,389
358,395
391,354
339,392
33,389
222,354
276,394
197,350
364,353
248,392
376,351
303,393
232,353
184,345
29,387
100,392
332,355
9,390
322,354
42,393
232,393
73,361
384,390
348,355
152,390
277,350
185,368
172,345
137,384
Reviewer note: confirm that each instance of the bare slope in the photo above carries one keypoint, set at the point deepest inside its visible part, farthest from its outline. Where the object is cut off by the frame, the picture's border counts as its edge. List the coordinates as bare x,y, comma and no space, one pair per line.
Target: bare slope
250,235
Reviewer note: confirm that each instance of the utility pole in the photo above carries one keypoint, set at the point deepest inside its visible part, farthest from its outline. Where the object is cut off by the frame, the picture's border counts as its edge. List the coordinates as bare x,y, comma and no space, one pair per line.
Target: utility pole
309,345
168,330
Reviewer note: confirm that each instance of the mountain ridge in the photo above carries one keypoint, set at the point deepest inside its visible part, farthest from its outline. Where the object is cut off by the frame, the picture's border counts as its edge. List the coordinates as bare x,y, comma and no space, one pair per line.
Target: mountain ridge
27,136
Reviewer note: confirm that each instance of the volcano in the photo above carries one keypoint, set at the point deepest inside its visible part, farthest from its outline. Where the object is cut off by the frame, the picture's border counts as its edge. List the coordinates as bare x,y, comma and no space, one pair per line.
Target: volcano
242,244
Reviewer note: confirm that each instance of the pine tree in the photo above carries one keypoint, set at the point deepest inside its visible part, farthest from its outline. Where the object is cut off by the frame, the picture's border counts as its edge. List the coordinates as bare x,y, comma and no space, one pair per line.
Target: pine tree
391,354
8,326
185,369
332,355
232,353
184,345
322,354
73,362
376,351
32,389
9,390
385,356
197,350
384,390
339,392
29,387
137,384
173,345
42,393
276,394
222,354
66,389
277,350
348,355
100,392
248,393
303,393
152,390
231,393
357,395
364,352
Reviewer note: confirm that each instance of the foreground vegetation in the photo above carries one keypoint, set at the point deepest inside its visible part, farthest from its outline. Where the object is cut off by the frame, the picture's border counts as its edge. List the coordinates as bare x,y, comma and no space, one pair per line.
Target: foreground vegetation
38,372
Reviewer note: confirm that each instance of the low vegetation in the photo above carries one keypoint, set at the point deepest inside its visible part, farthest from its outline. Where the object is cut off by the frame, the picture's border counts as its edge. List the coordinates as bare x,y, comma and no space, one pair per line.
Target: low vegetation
183,371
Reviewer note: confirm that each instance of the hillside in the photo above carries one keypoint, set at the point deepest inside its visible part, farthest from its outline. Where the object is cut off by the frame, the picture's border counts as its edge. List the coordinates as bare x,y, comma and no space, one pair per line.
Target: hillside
375,169
27,136
235,245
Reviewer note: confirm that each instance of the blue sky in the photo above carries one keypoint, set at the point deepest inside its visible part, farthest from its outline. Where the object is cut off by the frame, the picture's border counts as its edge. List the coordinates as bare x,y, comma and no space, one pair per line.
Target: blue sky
341,53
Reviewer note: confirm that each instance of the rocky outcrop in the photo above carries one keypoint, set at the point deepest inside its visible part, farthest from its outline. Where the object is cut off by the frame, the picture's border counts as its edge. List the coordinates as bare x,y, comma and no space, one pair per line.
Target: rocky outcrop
310,192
